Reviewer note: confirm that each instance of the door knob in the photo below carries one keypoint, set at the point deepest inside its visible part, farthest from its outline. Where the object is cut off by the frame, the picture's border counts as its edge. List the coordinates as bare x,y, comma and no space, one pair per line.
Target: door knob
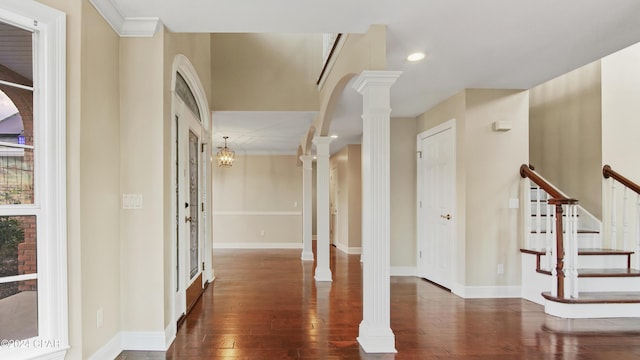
187,219
448,216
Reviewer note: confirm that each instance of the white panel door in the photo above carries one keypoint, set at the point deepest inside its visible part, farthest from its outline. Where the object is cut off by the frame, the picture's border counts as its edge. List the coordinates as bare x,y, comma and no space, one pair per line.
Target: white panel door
436,220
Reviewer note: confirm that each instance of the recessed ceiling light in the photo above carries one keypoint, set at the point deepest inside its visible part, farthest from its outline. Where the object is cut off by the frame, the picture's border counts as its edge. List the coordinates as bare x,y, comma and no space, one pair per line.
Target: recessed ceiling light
334,136
416,56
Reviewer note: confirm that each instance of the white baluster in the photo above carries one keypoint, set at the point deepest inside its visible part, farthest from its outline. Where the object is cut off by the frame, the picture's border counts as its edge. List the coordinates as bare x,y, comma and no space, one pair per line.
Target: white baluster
538,217
613,215
549,237
625,219
527,215
554,251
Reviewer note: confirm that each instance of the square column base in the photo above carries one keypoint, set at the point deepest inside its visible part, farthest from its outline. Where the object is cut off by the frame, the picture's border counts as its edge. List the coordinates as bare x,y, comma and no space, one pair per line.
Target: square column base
323,275
307,256
375,339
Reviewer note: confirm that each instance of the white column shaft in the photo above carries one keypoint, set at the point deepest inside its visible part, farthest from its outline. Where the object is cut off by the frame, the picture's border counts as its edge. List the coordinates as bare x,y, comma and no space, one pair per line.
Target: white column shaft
323,271
375,334
307,210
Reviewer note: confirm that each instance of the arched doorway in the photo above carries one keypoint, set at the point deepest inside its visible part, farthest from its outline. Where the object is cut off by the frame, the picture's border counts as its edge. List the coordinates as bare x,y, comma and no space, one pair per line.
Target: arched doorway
191,169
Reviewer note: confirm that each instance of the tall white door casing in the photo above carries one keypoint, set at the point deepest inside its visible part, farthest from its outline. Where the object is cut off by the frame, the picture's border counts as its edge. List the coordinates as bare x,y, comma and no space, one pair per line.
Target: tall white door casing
436,200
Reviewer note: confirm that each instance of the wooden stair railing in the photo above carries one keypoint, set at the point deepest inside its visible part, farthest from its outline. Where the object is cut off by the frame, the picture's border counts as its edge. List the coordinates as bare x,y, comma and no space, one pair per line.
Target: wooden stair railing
557,200
608,172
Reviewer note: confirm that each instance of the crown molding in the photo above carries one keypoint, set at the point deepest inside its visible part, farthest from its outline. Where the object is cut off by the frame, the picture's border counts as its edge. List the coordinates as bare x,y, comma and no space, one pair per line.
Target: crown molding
126,26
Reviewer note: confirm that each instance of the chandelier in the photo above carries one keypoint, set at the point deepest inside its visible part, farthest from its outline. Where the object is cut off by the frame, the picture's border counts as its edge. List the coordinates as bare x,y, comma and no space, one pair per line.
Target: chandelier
225,155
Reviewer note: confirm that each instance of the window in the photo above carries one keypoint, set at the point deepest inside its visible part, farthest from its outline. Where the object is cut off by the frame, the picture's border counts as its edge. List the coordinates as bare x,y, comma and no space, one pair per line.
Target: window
33,278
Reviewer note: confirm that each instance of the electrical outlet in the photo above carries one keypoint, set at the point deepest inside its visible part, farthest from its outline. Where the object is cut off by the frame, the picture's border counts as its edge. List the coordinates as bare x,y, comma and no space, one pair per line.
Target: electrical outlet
500,269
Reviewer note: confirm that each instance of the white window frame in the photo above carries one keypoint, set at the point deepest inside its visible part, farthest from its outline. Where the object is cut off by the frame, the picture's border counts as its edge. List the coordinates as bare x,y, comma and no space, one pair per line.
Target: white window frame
49,55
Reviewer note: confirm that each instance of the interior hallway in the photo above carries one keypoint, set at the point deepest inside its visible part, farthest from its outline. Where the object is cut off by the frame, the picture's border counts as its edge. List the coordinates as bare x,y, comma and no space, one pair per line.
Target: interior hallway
265,304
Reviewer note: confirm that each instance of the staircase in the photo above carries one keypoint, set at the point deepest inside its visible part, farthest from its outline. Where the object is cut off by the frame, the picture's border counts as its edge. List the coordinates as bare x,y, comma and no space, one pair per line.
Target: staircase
594,281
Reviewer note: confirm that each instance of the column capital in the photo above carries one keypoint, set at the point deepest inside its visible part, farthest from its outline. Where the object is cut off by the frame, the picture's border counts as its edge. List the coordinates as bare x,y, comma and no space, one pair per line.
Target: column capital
322,146
306,159
322,140
370,78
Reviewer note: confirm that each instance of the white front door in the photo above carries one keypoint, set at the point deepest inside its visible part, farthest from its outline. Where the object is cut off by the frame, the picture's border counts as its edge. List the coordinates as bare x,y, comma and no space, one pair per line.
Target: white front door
189,203
436,218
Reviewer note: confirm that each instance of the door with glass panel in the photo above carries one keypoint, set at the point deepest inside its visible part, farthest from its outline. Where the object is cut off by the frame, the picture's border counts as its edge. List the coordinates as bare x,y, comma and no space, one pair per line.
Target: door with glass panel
189,199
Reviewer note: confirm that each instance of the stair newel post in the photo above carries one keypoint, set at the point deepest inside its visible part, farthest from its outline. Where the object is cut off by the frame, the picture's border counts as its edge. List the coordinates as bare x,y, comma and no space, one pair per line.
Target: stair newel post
568,249
559,269
573,236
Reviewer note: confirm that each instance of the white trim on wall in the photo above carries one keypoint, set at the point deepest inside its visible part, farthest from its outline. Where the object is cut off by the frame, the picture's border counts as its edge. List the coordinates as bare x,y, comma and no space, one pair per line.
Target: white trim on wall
403,271
135,340
257,213
257,245
488,292
126,26
170,334
110,350
143,340
348,250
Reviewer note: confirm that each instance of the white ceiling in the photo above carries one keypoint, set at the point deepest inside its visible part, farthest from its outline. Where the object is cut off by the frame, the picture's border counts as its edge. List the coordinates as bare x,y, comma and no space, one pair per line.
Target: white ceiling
261,132
469,43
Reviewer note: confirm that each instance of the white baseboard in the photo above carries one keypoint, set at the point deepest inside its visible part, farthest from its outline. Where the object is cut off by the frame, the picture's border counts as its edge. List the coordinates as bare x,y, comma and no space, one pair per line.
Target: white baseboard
110,350
144,341
170,334
404,271
489,292
135,340
257,245
348,250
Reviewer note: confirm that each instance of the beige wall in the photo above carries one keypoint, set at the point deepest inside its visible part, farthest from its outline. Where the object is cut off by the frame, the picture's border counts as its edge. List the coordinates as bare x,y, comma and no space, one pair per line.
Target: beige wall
566,134
354,179
621,111
99,181
142,144
487,178
265,72
620,127
258,193
348,198
492,179
403,192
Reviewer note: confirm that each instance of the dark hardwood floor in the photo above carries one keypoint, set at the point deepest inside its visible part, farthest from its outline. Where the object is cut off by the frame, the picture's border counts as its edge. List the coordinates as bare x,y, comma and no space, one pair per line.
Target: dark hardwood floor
265,304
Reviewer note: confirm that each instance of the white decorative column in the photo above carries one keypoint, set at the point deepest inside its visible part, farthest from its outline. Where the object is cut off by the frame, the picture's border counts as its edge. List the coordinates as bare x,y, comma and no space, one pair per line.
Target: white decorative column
323,271
375,334
307,189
